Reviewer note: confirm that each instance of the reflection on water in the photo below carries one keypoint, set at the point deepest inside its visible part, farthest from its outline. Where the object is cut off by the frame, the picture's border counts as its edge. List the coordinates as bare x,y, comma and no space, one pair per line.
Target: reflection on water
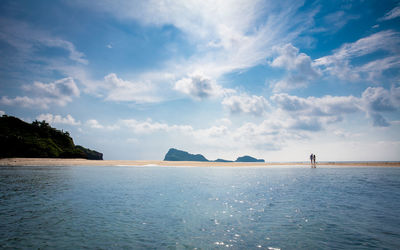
167,207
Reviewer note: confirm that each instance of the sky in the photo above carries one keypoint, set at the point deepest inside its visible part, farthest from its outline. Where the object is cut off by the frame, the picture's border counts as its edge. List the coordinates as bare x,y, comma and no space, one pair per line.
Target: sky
276,80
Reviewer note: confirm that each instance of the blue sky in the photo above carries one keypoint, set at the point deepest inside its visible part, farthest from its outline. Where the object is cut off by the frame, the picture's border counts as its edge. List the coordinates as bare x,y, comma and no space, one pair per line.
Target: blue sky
272,79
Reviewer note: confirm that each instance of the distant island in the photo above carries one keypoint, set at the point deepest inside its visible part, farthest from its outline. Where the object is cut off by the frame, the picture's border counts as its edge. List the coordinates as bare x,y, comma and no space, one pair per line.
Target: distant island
39,140
179,155
247,158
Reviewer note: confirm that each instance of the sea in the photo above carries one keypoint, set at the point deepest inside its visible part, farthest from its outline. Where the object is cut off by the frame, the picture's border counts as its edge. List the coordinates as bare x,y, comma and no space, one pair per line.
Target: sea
158,207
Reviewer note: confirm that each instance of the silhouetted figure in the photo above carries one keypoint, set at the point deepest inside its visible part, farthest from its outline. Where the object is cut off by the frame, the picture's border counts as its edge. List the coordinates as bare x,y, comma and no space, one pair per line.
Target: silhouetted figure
315,164
311,158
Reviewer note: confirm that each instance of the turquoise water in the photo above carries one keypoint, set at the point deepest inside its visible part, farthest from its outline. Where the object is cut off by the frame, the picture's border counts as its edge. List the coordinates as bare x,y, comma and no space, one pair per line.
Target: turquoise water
185,208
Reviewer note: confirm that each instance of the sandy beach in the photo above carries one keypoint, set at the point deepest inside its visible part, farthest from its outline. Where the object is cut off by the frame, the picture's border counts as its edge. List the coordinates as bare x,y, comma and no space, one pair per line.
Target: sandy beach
84,162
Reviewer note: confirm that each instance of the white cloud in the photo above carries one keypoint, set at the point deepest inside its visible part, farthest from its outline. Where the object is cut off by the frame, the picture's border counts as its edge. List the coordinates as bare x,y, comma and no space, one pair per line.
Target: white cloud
200,19
314,114
373,70
199,86
224,36
285,127
392,14
2,113
23,102
385,40
324,106
306,123
118,89
378,100
378,120
148,127
289,82
63,89
59,93
290,58
255,105
331,109
268,134
290,103
58,119
210,136
92,123
147,87
271,134
299,65
341,62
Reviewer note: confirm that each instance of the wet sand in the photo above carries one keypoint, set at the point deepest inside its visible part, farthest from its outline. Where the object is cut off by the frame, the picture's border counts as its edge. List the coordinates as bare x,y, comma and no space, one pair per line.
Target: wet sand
83,162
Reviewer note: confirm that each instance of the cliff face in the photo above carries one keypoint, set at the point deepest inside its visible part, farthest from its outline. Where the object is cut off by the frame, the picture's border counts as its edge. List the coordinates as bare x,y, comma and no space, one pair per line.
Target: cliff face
179,155
39,139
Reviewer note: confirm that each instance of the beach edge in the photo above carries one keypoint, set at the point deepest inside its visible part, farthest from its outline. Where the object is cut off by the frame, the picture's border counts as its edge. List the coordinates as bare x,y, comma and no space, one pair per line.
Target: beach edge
84,162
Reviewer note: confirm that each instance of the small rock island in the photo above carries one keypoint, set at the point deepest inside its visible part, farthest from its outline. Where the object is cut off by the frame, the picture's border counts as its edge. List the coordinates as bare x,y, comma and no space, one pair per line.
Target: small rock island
179,155
39,140
247,158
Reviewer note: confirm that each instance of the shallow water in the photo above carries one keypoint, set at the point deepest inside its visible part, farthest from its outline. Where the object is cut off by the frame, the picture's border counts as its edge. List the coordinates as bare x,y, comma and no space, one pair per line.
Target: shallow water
185,207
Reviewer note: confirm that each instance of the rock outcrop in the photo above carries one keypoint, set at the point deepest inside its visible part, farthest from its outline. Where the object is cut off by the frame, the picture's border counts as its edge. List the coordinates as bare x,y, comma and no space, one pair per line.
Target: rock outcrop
179,155
247,158
222,160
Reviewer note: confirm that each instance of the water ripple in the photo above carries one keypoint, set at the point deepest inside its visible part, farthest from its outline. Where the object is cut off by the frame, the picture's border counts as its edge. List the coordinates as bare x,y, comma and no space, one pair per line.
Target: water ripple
161,207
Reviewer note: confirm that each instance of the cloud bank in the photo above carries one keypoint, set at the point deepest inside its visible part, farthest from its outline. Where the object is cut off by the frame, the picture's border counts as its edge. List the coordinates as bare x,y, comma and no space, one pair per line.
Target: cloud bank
44,95
341,63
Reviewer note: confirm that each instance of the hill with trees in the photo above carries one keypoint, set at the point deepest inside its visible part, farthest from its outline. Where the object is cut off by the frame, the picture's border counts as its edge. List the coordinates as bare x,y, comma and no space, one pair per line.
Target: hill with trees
39,140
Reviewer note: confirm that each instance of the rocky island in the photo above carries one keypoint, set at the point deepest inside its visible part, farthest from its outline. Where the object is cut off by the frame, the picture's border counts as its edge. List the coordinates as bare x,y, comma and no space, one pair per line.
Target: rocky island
179,155
247,158
39,140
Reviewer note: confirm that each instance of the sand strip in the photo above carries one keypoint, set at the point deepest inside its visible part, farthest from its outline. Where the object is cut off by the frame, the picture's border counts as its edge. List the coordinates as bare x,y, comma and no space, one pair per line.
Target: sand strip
83,162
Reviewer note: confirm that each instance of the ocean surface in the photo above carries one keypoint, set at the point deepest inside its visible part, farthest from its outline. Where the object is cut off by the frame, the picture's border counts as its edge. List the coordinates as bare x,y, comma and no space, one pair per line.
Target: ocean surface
283,207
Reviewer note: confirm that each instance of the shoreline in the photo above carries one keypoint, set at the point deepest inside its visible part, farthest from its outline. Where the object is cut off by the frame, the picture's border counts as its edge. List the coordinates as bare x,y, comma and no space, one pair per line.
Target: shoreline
84,162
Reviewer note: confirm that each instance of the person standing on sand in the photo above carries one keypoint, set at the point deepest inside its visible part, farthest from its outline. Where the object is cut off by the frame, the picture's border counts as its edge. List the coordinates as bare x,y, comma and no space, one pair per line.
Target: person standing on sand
311,158
314,160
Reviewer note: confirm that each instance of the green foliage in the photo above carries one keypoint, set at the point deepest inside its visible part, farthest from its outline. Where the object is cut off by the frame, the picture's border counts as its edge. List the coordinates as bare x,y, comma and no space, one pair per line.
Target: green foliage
90,154
39,139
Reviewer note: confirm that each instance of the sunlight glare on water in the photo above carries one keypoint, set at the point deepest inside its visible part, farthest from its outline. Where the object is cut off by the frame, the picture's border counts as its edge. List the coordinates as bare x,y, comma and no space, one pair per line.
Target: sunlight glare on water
205,207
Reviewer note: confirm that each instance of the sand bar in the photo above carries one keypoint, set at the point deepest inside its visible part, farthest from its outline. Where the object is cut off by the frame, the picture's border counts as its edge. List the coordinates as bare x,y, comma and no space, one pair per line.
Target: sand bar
83,162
